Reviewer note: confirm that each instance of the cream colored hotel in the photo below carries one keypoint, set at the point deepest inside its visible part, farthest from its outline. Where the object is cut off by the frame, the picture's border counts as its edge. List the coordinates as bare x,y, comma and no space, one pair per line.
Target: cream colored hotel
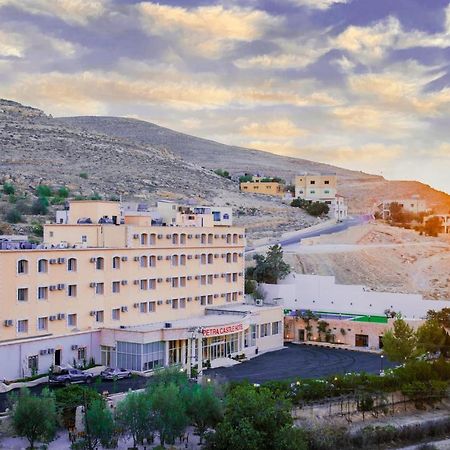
130,288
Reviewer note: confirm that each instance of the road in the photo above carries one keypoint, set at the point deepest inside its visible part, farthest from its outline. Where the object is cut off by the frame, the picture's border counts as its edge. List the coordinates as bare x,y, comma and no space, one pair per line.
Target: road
306,233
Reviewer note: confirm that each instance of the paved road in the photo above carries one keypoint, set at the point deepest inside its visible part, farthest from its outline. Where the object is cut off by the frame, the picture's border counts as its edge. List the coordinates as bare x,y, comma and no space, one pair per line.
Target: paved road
301,361
332,228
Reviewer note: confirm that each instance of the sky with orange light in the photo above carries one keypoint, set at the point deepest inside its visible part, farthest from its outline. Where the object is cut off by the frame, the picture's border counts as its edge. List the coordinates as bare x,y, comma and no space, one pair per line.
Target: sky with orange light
363,84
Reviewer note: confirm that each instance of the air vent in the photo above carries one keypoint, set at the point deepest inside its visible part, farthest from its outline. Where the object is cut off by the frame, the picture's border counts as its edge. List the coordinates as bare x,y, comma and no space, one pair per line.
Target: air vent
74,347
92,285
124,258
52,318
124,308
159,302
92,260
136,282
136,258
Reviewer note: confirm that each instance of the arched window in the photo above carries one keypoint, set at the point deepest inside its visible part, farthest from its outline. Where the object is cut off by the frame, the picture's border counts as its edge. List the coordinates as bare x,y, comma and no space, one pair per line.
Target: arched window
203,258
144,239
72,265
235,257
22,266
42,266
203,238
174,260
182,238
210,238
175,239
144,261
100,263
210,258
235,238
228,257
116,262
153,239
182,260
228,238
152,261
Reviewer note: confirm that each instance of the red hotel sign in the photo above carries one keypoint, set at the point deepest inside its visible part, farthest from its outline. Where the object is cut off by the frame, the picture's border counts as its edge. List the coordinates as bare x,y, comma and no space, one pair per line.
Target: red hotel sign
218,331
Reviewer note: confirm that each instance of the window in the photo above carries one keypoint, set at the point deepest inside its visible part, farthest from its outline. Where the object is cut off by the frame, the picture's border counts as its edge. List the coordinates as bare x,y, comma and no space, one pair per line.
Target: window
182,303
235,277
210,299
72,290
100,288
152,261
151,306
175,239
182,239
116,287
42,266
210,279
152,283
22,294
182,260
22,326
183,281
116,314
175,303
312,182
326,191
361,340
228,297
100,263
174,282
326,182
144,239
175,260
22,266
234,296
42,293
72,320
228,258
228,277
81,353
152,239
210,258
235,257
229,238
235,238
144,285
226,216
312,192
264,330
143,307
42,323
202,280
144,261
116,262
84,239
203,239
72,265
203,300
210,238
33,363
276,327
203,259
99,316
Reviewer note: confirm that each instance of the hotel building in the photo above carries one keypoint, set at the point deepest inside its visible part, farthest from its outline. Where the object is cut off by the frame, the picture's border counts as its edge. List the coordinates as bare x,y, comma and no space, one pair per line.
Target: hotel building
130,290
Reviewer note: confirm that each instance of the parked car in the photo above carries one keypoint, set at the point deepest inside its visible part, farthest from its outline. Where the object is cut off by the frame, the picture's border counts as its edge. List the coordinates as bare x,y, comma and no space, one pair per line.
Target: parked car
115,374
70,376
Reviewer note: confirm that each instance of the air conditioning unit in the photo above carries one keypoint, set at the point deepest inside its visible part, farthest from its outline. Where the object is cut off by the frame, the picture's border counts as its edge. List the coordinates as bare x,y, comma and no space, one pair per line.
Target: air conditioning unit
216,236
74,347
135,305
61,286
216,255
259,302
61,316
189,277
159,258
168,257
124,258
159,302
159,280
240,292
168,236
52,318
167,325
53,288
92,260
222,275
135,281
136,258
189,299
160,236
135,236
124,282
223,236
168,279
92,313
92,284
53,261
240,274
189,257
216,295
197,236
80,245
240,254
43,352
50,351
63,244
61,260
216,275
8,323
222,295
197,277
168,302
197,256
189,236
124,308
241,236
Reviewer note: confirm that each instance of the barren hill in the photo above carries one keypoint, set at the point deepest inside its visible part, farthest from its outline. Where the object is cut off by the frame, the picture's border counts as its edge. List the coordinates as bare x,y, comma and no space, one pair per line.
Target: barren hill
362,189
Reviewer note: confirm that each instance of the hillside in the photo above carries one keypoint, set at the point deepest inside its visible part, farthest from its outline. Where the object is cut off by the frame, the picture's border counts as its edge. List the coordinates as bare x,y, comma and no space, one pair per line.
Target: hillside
361,189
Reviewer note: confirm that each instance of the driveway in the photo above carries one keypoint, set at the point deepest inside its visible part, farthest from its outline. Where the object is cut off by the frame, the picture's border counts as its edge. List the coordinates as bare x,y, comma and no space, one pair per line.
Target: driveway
301,361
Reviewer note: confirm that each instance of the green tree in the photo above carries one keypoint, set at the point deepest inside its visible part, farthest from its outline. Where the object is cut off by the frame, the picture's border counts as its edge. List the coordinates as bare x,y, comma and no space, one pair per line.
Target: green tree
40,206
63,192
13,216
43,191
84,175
317,209
271,267
204,408
9,189
432,226
169,410
299,203
245,178
37,229
400,343
35,417
222,173
99,425
432,337
254,419
134,417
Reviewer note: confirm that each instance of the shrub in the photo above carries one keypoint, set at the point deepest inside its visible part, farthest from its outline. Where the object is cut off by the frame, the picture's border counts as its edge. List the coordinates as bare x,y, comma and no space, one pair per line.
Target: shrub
84,175
37,229
40,206
13,216
43,191
63,192
8,188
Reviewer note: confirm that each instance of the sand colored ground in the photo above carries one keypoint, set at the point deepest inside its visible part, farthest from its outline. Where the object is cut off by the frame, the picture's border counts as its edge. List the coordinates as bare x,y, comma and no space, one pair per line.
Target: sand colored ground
380,257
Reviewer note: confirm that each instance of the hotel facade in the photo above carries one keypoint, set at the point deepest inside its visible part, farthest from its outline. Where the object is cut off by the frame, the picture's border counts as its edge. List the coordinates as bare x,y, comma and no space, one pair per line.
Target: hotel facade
134,289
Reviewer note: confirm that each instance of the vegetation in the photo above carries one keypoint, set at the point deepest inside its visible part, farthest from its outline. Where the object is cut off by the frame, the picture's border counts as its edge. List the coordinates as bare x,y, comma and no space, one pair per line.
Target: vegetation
84,175
399,344
245,178
34,417
13,216
315,209
9,189
222,173
40,206
432,226
99,425
269,268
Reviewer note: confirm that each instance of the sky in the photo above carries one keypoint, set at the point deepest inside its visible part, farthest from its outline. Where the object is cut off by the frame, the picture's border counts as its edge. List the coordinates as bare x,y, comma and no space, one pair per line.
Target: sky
362,84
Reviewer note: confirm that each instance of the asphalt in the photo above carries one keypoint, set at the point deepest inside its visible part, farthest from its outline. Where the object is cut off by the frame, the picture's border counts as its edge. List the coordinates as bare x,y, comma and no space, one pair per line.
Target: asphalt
301,361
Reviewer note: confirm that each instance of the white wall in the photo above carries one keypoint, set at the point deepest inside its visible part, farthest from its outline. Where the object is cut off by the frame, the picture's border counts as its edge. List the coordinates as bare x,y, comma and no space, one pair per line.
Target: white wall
321,293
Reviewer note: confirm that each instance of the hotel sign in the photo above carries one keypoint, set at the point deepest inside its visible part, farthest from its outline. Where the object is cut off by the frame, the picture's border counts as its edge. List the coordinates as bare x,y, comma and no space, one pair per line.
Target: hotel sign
219,331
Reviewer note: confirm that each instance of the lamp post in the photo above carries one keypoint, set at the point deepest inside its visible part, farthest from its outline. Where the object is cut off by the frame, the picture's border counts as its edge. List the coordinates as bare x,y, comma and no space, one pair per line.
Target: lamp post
381,363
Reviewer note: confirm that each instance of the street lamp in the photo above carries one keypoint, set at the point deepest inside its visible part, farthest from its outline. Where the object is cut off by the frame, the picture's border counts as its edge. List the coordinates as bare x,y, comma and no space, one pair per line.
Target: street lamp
381,363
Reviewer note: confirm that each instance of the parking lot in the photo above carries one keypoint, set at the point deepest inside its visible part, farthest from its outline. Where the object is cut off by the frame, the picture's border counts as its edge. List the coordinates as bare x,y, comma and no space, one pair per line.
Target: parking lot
301,361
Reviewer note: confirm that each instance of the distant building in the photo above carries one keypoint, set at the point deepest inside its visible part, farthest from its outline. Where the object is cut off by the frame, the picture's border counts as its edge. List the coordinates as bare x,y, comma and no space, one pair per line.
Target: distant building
321,188
445,222
262,185
414,205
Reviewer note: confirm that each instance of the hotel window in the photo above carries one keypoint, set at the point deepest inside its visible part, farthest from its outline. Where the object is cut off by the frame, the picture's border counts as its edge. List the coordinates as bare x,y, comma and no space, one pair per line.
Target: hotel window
152,283
72,290
72,320
182,260
183,281
235,238
175,303
42,293
203,238
175,239
234,296
182,239
174,260
276,327
81,353
84,239
72,265
202,280
22,326
152,239
228,277
210,279
203,259
42,323
182,303
228,258
210,258
151,306
100,288
144,239
116,262
228,297
143,307
264,330
229,238
144,285
116,314
42,266
210,299
22,294
152,261
203,300
210,238
143,261
116,287
235,277
174,282
99,316
235,257
22,266
100,263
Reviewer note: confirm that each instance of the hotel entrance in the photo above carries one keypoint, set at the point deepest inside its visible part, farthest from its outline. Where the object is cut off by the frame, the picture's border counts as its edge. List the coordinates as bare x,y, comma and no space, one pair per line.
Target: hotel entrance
222,346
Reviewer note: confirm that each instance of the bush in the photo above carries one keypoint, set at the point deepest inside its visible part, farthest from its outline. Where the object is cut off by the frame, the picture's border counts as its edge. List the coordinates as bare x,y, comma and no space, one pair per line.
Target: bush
13,216
37,229
43,191
63,192
40,206
84,175
8,188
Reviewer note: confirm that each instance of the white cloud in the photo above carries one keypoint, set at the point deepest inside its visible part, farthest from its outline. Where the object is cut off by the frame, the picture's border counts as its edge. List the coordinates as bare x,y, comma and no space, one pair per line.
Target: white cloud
11,44
319,4
77,12
281,128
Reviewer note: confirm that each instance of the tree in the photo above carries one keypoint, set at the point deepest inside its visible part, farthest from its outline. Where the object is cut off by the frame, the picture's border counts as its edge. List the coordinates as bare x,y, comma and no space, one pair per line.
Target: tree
399,344
13,216
43,191
9,189
433,226
169,411
299,203
222,173
40,206
63,192
396,212
99,425
245,178
35,417
270,268
134,416
204,408
317,209
254,419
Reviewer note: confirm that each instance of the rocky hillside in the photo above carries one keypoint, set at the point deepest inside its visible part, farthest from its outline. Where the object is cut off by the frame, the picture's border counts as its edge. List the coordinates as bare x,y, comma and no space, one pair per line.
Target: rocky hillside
361,189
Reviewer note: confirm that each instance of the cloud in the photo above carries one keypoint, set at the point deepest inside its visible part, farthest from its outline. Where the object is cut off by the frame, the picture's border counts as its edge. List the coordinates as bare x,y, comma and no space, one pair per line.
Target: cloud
77,12
11,44
318,4
276,128
206,30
